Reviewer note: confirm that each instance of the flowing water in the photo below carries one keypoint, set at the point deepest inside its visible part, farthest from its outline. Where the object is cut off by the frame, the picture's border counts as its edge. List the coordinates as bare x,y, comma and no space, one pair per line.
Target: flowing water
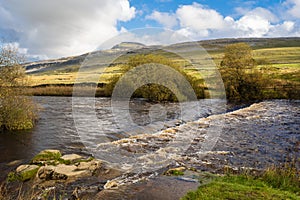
56,129
257,136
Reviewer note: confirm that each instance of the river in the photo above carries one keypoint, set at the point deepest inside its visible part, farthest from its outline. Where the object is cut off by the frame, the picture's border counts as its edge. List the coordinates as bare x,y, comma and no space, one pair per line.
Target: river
56,129
257,136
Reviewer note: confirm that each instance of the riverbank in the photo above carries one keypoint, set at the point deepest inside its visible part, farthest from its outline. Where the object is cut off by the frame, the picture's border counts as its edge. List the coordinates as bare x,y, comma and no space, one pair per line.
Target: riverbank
280,91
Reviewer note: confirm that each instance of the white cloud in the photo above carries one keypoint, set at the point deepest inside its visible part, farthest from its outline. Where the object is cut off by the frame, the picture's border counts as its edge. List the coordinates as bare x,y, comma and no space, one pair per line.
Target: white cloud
168,20
253,26
198,22
295,7
64,27
283,29
199,18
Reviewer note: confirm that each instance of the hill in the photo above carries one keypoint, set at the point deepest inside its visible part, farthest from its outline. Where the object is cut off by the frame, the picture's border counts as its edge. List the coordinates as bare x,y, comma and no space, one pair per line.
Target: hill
278,58
70,64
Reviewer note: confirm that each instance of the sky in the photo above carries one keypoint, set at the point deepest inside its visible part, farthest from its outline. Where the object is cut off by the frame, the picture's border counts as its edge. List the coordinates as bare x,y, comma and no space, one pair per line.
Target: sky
57,28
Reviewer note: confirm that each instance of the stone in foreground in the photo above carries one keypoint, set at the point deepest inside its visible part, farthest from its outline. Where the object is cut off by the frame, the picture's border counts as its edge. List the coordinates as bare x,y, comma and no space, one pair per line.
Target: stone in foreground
63,172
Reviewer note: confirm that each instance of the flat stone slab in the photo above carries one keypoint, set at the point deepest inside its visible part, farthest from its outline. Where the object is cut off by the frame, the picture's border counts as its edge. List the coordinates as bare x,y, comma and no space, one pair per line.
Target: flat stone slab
71,157
63,172
26,168
54,151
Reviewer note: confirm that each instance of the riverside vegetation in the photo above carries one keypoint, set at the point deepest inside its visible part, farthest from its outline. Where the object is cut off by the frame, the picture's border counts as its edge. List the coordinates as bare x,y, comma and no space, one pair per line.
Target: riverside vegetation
17,111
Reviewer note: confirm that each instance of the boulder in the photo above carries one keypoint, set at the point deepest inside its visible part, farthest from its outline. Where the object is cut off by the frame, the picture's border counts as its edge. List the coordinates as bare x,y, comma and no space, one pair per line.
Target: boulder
63,171
46,156
26,172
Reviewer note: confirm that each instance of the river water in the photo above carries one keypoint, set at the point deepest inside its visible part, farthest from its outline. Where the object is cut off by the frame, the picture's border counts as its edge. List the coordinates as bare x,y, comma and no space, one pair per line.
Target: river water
257,136
56,129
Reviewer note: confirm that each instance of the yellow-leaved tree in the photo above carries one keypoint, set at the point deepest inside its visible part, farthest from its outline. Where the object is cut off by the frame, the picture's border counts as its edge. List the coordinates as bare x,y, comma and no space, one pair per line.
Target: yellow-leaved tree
242,81
17,111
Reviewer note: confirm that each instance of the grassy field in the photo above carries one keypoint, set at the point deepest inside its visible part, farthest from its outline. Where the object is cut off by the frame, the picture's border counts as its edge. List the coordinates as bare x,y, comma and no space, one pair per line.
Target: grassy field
279,65
283,63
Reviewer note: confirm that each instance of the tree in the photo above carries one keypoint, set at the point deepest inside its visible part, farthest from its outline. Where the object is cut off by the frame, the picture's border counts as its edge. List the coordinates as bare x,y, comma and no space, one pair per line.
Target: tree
156,92
16,110
241,80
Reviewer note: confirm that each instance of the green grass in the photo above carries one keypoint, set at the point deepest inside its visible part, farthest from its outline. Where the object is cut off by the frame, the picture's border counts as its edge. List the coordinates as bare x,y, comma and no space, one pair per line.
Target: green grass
239,188
273,184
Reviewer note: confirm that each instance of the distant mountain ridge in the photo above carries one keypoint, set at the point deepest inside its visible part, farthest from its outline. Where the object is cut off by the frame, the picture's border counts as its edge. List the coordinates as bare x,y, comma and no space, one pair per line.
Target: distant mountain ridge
69,63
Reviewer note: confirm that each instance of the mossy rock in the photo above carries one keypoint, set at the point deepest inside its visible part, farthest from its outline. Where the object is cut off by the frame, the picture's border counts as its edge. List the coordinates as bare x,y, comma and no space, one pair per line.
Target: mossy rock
23,173
46,156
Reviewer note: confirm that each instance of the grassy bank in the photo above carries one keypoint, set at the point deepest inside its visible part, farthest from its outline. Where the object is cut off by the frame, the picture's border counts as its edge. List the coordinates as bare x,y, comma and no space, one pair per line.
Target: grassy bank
273,184
64,90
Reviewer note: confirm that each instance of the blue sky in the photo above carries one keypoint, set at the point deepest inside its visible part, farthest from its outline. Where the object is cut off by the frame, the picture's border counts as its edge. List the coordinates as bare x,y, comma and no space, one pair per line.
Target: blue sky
56,28
225,7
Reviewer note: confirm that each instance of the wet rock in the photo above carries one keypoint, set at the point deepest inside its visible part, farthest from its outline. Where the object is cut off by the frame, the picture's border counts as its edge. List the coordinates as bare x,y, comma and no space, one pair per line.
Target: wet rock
71,157
107,173
175,171
187,179
90,166
111,185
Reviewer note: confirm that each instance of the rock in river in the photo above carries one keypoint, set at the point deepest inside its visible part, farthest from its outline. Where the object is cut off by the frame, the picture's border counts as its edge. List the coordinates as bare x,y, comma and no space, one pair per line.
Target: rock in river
63,171
71,157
